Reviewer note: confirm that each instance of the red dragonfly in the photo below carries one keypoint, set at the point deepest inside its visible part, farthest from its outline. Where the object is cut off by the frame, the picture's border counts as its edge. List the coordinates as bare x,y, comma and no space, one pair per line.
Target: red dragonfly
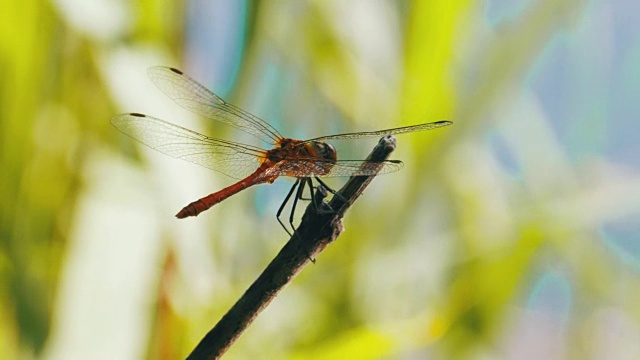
301,159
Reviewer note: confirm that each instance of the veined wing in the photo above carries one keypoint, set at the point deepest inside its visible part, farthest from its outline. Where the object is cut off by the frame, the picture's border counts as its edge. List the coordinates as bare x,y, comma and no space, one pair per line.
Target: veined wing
232,159
380,133
320,168
194,97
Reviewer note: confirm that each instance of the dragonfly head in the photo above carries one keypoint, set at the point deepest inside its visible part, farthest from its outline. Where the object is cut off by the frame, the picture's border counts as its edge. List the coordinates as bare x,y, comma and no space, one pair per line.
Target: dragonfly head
326,151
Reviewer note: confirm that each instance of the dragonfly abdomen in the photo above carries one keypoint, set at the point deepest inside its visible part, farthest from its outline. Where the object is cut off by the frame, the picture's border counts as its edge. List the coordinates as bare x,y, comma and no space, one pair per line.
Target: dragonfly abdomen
202,204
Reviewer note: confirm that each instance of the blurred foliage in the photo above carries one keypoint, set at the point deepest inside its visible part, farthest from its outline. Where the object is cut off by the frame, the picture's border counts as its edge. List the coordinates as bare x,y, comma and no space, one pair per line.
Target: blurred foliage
513,233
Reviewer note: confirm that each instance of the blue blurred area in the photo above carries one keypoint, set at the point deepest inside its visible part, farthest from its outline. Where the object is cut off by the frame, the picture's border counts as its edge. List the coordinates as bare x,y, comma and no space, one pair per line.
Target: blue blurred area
573,102
552,294
587,81
215,40
497,11
503,154
622,237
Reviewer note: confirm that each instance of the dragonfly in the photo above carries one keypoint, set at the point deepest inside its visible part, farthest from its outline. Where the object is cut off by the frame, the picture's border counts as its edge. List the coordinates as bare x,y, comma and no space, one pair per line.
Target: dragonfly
303,160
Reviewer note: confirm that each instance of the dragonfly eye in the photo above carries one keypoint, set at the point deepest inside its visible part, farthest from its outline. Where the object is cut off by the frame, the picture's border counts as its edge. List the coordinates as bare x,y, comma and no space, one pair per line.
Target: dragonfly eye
327,151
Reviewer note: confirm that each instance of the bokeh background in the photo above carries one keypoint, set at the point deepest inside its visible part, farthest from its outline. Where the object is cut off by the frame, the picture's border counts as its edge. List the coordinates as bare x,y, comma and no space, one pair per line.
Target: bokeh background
512,234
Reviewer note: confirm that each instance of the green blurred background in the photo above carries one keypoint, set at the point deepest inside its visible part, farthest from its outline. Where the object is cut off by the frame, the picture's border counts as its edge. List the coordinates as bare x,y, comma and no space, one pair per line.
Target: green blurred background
513,234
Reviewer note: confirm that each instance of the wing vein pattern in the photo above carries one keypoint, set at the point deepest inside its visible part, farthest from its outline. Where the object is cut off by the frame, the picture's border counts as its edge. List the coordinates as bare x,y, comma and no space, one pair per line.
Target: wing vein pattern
194,97
229,158
380,133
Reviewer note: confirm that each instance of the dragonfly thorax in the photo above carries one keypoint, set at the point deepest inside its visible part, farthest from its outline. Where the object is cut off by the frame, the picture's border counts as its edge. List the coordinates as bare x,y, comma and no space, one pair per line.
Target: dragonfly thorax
297,158
303,150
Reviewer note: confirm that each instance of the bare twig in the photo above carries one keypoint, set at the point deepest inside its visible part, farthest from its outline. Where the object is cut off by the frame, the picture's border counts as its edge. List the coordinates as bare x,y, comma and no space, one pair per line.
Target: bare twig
319,227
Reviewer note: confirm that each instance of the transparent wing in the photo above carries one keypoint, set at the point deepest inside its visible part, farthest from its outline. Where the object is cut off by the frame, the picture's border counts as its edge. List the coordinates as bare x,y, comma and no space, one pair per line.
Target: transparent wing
380,133
364,168
314,167
232,159
194,97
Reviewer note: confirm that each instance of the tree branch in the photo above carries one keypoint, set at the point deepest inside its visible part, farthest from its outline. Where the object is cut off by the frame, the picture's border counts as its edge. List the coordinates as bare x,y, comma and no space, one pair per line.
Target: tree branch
319,227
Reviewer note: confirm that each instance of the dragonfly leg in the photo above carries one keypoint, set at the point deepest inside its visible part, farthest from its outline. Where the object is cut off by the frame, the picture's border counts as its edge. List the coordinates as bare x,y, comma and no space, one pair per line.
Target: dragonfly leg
299,184
318,194
312,191
295,201
286,200
315,197
310,198
327,207
329,189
